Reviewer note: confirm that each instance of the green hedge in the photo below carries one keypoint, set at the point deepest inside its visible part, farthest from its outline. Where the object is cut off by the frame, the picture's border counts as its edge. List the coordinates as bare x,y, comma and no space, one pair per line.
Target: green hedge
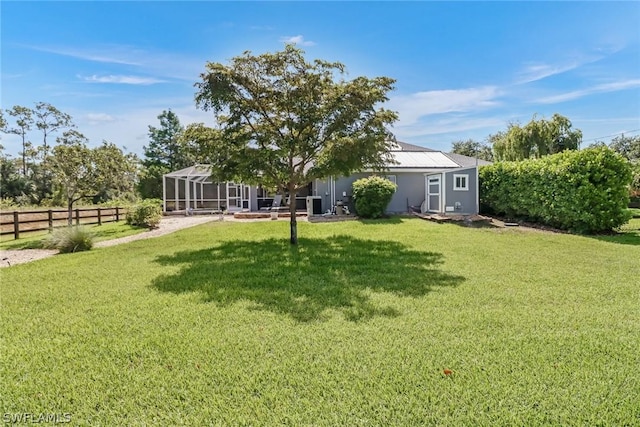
583,191
372,196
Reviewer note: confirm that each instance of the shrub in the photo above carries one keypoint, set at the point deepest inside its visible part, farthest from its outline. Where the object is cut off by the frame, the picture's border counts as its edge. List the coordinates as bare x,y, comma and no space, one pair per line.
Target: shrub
145,214
372,196
635,181
7,203
69,239
583,191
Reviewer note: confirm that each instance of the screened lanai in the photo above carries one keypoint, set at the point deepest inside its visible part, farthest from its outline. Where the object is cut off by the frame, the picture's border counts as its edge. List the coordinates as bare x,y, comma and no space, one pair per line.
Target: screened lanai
192,189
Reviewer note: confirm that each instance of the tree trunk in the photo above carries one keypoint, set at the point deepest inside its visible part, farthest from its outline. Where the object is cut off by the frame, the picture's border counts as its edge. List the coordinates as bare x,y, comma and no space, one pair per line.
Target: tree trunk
293,224
70,211
24,158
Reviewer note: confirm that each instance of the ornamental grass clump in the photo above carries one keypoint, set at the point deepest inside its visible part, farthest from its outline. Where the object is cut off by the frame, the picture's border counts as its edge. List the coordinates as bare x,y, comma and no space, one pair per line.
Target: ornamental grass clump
69,239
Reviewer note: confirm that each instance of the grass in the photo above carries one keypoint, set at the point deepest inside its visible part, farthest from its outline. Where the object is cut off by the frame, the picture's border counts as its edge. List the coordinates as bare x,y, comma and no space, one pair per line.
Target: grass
106,231
226,324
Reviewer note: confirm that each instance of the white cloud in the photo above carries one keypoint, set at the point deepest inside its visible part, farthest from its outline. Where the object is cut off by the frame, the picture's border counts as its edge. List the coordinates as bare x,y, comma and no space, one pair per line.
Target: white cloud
601,88
450,125
95,118
420,104
128,125
174,65
535,72
109,54
118,79
299,40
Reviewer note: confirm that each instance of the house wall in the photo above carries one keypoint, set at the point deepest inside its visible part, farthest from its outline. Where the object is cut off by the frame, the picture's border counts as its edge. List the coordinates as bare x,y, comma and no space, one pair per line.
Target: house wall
322,188
410,191
467,199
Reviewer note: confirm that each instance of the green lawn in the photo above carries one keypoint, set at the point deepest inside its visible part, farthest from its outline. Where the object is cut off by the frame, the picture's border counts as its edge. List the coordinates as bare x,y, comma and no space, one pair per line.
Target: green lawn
106,231
226,324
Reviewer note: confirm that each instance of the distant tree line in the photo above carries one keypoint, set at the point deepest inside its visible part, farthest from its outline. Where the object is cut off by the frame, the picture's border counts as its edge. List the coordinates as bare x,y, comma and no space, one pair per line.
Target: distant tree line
66,170
60,171
538,138
541,137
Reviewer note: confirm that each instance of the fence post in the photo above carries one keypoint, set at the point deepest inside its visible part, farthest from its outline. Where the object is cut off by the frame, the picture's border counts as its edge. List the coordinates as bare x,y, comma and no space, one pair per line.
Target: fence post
50,221
16,225
77,216
99,217
117,214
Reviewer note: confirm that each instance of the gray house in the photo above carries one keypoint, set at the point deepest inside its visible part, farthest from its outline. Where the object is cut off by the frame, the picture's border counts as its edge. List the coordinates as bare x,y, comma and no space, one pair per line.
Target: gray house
428,180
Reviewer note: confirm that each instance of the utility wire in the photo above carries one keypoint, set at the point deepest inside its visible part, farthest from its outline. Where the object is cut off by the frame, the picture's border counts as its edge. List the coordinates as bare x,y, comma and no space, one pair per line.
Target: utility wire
609,136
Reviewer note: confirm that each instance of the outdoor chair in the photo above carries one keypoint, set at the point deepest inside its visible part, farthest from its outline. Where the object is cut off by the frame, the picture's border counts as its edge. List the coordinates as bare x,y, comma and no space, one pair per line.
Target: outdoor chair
275,204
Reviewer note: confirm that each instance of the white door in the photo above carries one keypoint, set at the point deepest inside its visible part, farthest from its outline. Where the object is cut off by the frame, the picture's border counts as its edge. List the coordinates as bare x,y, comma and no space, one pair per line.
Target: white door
434,195
234,196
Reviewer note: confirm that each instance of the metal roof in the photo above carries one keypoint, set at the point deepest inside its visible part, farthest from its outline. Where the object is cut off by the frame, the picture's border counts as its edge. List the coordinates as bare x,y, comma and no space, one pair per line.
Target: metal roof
403,146
409,158
465,161
421,159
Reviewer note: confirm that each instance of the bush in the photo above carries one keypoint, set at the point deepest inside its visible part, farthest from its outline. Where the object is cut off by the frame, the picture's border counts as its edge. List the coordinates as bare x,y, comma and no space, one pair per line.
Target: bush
372,196
69,239
7,203
145,214
635,181
583,191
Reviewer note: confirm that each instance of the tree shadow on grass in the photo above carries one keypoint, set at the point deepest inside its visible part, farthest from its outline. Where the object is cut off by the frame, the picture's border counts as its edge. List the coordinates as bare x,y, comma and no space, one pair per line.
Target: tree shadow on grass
305,281
627,237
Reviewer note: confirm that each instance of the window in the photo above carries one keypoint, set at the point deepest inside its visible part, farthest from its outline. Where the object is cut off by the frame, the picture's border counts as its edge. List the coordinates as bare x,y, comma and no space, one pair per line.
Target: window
460,182
391,178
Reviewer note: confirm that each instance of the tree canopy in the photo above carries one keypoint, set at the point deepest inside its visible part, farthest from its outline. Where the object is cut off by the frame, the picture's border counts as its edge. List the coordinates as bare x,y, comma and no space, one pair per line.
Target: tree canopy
536,139
165,153
628,146
473,148
83,172
45,176
284,122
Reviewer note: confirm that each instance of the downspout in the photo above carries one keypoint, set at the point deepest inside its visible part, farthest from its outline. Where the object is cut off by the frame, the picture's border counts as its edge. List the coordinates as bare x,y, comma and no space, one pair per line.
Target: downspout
477,188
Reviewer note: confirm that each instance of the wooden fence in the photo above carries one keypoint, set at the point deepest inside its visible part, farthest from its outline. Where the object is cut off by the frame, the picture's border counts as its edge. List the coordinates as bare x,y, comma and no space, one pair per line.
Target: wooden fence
16,222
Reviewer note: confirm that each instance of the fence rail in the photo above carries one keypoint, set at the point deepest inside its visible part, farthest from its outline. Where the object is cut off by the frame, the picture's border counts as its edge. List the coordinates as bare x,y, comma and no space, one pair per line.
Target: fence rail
28,221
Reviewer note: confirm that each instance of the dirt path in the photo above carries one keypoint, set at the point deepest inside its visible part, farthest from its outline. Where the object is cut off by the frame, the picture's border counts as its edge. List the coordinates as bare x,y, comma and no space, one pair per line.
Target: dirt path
167,225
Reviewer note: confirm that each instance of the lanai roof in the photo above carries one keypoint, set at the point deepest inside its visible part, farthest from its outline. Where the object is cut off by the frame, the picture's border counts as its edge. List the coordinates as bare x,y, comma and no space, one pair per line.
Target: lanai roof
194,171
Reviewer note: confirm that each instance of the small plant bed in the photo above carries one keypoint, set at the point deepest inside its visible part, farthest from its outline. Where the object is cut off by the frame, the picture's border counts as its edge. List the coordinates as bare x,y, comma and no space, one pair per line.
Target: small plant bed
112,230
467,219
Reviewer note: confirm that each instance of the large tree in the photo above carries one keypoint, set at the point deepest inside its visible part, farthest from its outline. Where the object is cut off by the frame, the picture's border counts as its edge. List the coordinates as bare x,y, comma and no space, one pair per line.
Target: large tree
473,148
284,122
23,120
628,146
166,152
539,137
49,120
83,172
3,121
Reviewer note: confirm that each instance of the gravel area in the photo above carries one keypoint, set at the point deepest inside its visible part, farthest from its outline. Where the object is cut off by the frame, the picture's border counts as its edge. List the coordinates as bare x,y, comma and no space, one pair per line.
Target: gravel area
167,225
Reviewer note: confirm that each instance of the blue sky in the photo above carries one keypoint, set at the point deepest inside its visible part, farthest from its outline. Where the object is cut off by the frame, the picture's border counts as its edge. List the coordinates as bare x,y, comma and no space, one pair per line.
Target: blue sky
463,69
